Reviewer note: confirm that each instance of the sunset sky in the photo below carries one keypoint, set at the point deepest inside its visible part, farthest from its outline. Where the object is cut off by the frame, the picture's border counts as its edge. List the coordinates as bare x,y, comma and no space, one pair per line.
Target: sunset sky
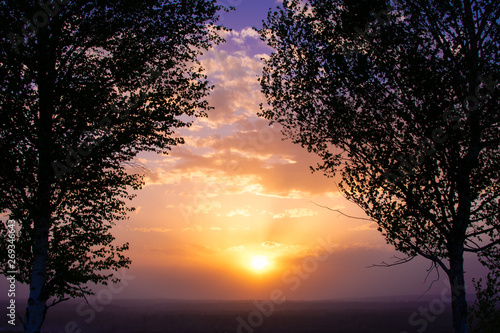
236,190
237,197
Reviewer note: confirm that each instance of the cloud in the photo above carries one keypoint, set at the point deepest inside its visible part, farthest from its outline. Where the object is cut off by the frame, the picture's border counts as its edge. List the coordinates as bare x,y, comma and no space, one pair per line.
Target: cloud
215,228
241,163
256,161
279,216
233,151
239,248
261,56
238,211
300,212
241,37
295,213
249,32
202,205
237,93
269,244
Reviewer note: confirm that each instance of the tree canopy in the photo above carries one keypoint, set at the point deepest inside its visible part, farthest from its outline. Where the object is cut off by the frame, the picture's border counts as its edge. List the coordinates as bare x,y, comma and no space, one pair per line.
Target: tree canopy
85,86
400,100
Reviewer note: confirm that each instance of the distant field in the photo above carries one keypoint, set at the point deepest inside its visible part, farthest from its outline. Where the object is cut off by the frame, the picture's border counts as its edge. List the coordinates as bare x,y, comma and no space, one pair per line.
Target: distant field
148,316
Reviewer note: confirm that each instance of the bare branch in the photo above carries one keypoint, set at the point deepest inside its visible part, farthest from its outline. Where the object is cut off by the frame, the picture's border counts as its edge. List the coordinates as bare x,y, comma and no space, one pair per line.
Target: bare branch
434,266
399,261
57,301
83,294
340,212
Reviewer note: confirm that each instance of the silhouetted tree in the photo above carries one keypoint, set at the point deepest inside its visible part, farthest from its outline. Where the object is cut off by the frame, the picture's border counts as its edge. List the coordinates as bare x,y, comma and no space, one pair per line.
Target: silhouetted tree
400,100
86,86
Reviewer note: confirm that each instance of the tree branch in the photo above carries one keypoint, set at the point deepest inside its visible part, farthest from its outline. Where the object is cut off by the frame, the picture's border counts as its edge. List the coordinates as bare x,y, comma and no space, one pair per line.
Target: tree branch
57,301
481,249
477,233
340,212
399,261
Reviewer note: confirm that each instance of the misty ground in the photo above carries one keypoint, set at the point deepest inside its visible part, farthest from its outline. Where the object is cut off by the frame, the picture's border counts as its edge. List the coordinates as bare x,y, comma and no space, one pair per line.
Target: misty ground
148,316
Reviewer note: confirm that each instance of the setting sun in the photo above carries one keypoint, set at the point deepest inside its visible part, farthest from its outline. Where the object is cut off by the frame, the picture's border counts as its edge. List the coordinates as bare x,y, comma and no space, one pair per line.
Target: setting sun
259,263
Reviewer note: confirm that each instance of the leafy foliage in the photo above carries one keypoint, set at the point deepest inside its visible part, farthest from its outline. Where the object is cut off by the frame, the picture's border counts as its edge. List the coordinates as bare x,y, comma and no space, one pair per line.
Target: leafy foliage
79,99
485,313
400,100
391,117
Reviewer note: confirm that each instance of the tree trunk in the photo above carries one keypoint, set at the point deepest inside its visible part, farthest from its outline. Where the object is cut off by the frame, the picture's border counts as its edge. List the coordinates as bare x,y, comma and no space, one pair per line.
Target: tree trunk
35,313
37,308
457,283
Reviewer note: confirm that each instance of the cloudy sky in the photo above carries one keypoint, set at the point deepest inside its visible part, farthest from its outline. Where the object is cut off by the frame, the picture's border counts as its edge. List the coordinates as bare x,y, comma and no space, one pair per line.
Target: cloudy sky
237,193
235,212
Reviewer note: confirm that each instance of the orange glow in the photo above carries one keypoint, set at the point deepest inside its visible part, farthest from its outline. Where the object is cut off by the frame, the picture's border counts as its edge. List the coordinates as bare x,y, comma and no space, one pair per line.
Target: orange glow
232,213
260,263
